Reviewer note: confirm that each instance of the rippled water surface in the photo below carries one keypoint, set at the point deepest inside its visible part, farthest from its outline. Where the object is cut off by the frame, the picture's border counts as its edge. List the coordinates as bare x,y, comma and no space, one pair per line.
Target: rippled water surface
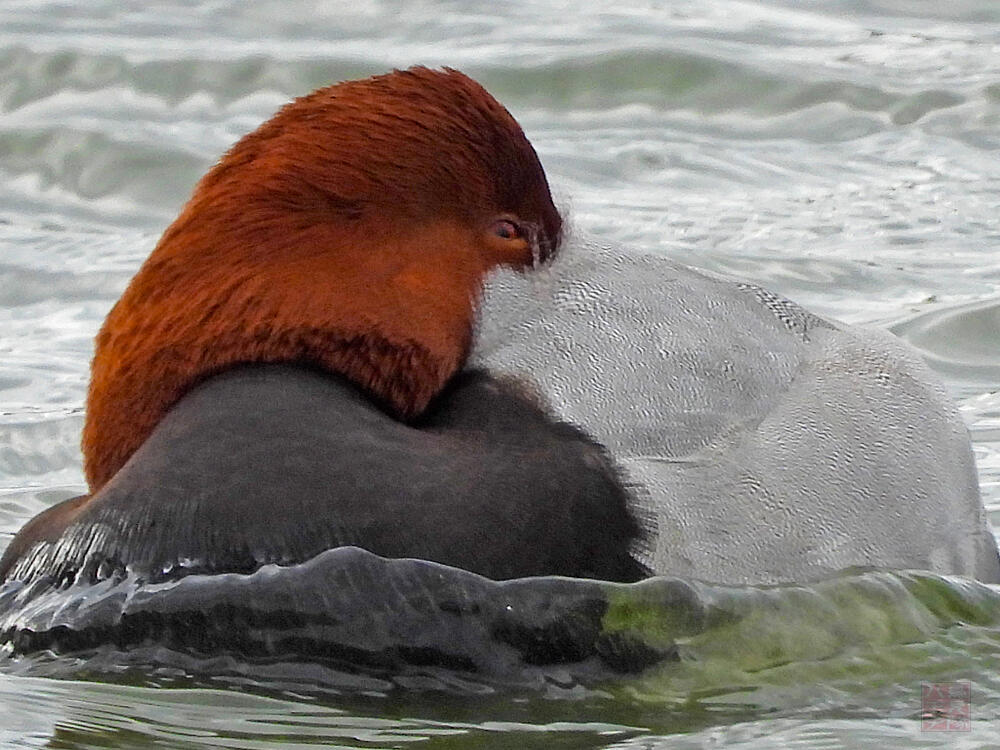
844,153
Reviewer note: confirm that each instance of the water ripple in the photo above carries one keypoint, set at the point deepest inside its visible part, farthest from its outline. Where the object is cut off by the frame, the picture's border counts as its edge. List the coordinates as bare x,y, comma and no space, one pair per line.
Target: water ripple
952,339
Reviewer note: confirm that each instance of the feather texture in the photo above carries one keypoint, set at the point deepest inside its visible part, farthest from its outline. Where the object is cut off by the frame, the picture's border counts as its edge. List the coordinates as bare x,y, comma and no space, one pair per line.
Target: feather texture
767,444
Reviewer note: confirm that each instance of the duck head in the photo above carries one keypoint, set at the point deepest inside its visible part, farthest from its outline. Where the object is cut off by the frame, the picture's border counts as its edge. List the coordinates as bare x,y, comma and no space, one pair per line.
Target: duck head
350,232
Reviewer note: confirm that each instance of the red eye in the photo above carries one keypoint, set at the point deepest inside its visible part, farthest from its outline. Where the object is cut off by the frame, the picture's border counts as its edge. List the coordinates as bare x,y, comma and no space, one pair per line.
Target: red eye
507,229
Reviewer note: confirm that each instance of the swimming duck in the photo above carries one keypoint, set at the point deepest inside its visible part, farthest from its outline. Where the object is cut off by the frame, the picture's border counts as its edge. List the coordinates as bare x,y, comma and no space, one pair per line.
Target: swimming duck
304,362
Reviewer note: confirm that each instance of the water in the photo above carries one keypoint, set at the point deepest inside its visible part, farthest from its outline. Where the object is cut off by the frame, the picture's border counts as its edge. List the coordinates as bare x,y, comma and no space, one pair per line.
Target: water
842,153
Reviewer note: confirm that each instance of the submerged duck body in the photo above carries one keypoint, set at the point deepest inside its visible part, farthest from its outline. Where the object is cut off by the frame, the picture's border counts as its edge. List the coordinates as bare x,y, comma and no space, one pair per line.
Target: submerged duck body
766,443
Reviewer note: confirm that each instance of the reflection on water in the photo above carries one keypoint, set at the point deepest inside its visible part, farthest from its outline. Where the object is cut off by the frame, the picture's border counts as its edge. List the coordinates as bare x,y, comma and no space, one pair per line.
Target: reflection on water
842,154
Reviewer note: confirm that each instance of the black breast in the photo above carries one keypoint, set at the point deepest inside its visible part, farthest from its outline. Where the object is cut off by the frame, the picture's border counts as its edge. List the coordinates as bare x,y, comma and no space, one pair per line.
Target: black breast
275,464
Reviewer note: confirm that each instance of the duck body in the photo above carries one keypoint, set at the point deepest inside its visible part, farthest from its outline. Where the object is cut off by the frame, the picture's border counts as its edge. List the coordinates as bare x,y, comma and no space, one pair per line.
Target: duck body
309,360
766,443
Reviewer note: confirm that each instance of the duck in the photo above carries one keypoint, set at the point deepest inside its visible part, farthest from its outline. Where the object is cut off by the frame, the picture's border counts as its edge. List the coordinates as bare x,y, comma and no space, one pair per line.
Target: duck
367,329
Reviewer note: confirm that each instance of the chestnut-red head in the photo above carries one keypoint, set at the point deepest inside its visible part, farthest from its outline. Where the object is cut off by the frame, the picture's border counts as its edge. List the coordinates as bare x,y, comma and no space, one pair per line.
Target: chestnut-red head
351,231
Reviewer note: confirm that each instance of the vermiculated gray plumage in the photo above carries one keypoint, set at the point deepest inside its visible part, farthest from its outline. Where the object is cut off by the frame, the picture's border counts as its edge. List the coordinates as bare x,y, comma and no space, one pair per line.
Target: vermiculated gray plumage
766,444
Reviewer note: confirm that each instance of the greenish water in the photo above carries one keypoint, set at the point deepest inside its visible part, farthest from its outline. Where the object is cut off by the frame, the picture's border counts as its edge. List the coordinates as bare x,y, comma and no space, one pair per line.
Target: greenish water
841,660
842,153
